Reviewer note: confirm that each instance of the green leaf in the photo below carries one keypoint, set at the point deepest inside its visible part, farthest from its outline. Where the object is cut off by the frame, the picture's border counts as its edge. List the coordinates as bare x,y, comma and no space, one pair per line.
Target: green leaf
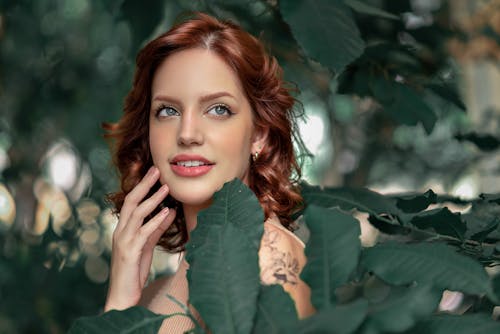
427,263
458,324
341,319
222,253
365,8
325,30
354,81
491,198
276,311
332,252
136,319
447,93
481,235
361,199
403,104
495,282
484,142
235,204
387,227
416,203
402,309
443,221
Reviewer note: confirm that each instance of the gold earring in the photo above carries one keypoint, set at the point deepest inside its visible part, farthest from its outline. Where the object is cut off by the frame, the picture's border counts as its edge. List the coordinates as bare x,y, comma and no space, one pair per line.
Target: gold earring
255,156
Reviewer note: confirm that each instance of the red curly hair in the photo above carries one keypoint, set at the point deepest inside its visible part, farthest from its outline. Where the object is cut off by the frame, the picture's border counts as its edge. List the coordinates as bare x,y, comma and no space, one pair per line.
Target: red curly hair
272,177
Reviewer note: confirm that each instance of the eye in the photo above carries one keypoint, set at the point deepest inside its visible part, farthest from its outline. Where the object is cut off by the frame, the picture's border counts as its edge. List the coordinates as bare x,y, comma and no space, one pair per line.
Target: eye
166,111
220,110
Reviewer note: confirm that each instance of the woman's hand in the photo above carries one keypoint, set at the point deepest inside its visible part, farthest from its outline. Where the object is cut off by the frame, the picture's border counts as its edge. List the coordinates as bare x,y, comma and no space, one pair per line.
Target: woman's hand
134,242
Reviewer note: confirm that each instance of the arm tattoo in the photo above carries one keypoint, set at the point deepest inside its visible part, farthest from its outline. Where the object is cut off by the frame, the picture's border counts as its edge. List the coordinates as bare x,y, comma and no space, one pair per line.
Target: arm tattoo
282,267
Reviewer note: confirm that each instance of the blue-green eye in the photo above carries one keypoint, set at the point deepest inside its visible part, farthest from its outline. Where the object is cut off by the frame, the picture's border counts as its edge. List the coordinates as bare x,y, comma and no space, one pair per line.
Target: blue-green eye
166,111
220,110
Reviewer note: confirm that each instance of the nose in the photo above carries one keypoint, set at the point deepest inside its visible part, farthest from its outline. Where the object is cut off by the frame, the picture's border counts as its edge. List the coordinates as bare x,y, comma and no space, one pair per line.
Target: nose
190,132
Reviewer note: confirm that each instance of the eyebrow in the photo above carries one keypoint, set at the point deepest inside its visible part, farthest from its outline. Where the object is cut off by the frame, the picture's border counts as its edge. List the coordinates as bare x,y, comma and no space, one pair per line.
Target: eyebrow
202,99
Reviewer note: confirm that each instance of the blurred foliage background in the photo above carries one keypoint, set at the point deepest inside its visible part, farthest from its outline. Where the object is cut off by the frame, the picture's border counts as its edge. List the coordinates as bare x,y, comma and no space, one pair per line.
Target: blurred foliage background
66,65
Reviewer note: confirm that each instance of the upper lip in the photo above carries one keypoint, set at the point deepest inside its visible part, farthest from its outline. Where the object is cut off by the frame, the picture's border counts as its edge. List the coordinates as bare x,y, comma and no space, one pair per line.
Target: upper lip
190,157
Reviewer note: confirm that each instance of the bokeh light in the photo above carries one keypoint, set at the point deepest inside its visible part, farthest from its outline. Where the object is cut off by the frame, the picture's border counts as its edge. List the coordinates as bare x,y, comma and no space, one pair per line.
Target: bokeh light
312,131
97,269
62,166
466,188
7,206
51,202
88,212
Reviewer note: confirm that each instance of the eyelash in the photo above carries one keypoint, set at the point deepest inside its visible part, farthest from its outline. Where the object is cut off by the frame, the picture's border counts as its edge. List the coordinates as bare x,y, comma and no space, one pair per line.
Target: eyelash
163,107
227,109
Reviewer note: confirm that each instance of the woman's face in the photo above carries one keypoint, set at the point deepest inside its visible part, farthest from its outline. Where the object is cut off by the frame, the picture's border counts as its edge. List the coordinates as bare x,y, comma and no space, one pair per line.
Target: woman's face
200,125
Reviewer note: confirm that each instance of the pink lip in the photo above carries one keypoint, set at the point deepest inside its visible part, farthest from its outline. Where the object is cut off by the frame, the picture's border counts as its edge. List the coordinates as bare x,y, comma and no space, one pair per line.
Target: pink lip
190,171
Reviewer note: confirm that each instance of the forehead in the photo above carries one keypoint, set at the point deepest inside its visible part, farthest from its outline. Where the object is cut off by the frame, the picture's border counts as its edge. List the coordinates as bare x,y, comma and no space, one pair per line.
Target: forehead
195,71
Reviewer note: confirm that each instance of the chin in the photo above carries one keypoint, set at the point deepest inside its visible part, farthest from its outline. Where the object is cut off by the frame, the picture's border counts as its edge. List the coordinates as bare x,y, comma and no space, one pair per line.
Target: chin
193,197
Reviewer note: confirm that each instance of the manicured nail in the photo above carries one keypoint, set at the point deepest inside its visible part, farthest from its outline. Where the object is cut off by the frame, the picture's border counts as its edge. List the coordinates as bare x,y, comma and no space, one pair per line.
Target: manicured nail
150,171
165,211
154,172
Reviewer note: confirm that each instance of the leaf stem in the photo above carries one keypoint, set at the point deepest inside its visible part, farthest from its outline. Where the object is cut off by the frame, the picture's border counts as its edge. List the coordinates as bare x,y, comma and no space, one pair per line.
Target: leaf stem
186,309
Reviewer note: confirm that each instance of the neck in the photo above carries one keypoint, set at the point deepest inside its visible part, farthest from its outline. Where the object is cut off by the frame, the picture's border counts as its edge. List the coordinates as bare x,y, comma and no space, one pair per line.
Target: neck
191,214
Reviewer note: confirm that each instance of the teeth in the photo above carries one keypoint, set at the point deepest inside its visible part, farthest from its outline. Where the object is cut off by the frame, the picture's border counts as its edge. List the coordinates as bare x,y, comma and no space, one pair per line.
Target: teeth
190,163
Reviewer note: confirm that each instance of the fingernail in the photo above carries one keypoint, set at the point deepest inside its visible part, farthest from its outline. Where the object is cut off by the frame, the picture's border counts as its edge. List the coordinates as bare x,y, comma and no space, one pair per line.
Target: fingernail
150,171
154,172
164,188
165,211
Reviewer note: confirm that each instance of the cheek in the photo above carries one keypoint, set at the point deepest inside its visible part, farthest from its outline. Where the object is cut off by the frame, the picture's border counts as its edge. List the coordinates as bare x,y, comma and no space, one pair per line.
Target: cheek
158,144
234,142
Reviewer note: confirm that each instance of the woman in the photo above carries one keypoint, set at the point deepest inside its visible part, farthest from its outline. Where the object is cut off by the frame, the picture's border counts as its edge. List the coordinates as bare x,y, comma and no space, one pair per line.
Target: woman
207,105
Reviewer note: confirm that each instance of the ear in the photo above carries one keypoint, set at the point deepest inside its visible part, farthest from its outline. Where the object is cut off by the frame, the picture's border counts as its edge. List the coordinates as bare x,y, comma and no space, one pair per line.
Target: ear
259,140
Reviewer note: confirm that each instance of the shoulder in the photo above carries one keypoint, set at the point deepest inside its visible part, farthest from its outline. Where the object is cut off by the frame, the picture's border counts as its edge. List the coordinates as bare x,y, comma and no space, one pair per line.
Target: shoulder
281,259
281,254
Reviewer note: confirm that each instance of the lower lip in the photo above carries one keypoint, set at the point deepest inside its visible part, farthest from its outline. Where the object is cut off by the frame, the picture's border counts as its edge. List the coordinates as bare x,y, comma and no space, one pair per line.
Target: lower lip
191,171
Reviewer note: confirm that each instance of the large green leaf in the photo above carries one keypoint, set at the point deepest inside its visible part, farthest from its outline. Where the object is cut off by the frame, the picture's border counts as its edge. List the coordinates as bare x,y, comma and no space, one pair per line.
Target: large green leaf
345,198
402,309
443,221
416,203
385,59
354,81
458,324
364,8
275,311
136,319
427,263
332,252
403,103
325,30
341,319
480,236
222,253
447,93
235,204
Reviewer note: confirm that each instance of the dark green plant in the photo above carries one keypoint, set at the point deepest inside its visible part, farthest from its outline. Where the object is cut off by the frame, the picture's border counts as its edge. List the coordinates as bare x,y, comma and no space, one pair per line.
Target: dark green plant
394,286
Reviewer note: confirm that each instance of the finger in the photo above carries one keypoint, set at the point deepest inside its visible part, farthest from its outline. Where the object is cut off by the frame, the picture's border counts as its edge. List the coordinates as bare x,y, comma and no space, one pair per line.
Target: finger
151,232
151,243
137,217
137,194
